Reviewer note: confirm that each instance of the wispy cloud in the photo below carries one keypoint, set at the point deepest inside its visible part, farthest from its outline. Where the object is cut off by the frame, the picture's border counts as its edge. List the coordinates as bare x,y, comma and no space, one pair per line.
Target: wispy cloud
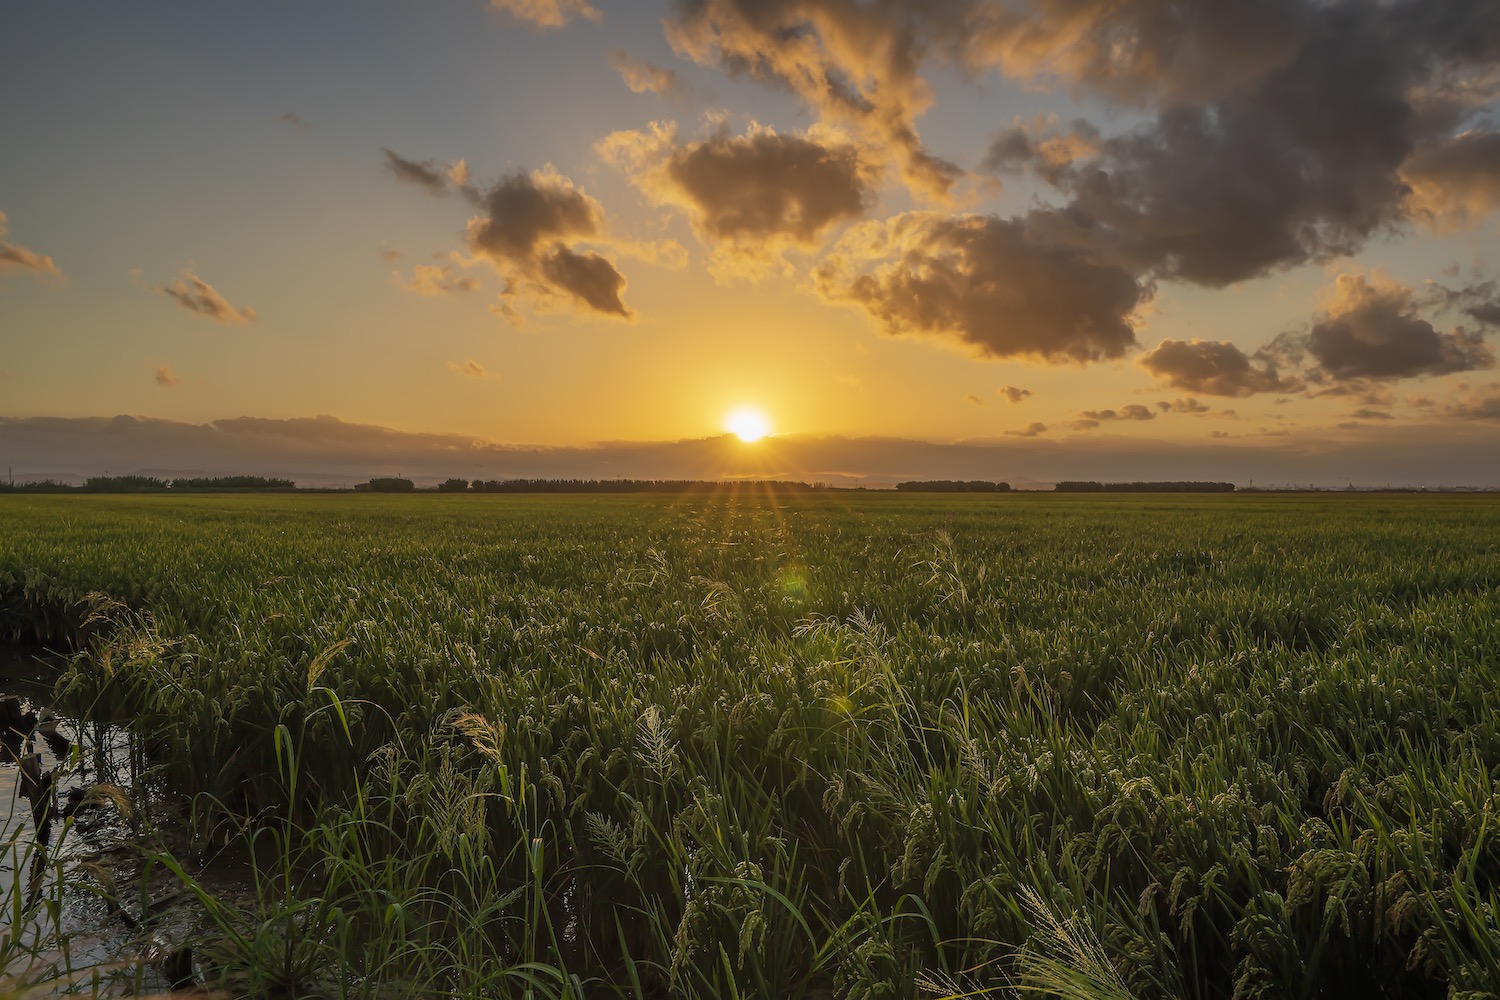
547,13
469,369
644,78
200,298
166,377
16,259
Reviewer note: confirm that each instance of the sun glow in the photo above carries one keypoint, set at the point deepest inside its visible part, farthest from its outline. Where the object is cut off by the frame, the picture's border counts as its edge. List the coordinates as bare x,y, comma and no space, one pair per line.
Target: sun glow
748,425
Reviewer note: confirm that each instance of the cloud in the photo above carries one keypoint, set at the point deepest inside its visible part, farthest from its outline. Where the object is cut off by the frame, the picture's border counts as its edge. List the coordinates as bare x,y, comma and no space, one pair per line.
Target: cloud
435,279
1031,430
471,369
974,399
197,296
166,377
530,227
424,173
644,78
326,450
1456,181
1211,367
16,259
1371,330
752,197
855,65
1365,413
1133,411
1014,394
987,283
1236,173
547,13
1484,405
1480,302
1188,405
295,121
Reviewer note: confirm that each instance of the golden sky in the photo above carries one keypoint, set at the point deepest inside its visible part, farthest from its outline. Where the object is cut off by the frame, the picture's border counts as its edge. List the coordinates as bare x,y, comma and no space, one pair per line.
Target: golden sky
1007,239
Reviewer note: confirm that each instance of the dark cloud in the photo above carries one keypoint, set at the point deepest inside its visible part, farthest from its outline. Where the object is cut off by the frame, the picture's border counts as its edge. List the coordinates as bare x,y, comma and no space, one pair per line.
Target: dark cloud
1455,181
1211,367
1480,302
1014,394
1133,411
16,259
1188,405
588,277
854,64
1141,51
1365,413
985,282
1372,330
754,195
1282,132
530,228
644,78
295,121
200,298
424,173
1031,430
1483,405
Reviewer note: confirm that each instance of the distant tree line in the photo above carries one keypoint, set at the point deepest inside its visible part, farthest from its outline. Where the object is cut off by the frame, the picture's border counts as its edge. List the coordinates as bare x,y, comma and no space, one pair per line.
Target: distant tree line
388,484
139,484
625,485
233,483
953,486
1089,486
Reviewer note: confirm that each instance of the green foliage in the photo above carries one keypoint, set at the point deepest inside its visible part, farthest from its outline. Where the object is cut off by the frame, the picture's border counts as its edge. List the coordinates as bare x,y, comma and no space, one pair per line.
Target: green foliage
794,744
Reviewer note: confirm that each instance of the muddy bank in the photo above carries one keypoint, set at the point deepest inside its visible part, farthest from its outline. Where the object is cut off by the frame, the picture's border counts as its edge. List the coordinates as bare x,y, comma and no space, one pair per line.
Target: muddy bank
82,916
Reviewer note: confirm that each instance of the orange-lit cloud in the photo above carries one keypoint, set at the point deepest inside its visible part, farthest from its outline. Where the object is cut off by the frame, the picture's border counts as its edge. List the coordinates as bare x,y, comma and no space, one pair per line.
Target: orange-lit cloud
200,298
547,13
644,78
1457,182
1014,394
435,279
470,369
166,377
987,283
854,64
1371,329
752,197
16,259
1132,411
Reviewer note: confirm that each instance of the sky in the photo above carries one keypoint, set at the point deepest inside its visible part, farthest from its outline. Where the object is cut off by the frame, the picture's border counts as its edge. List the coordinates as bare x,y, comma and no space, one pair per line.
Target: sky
1030,240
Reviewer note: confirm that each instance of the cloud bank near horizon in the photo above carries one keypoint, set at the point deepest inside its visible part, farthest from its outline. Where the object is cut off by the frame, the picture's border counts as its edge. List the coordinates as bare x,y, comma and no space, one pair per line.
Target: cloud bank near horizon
328,451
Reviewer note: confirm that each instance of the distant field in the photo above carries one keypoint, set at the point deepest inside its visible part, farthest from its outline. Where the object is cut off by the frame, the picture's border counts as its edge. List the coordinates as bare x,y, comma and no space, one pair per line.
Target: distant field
872,745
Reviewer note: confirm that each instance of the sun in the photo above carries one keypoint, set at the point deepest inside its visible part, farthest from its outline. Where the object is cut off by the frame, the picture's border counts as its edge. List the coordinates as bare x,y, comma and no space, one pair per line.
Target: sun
747,424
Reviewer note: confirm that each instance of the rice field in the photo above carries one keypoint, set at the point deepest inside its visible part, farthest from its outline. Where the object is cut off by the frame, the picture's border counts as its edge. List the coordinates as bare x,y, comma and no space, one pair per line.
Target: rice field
865,746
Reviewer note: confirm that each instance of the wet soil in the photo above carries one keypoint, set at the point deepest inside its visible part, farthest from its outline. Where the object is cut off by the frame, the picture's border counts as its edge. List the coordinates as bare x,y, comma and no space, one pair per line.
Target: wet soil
81,913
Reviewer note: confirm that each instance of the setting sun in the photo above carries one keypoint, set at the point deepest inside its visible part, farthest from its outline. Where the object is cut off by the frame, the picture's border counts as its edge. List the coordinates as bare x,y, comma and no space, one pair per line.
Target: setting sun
748,425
